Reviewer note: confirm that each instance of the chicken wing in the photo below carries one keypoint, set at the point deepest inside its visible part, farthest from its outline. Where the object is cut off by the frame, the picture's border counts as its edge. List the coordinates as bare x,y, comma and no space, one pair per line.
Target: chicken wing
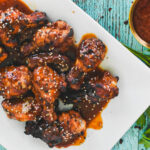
66,130
59,62
47,84
91,53
105,88
56,35
95,94
16,26
72,121
22,109
14,81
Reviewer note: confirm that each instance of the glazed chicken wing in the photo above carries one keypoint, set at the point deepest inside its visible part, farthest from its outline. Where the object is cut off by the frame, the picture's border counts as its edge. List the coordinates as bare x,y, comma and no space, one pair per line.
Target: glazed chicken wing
105,88
22,109
91,53
56,35
39,128
95,94
14,81
16,26
47,84
72,121
67,129
61,63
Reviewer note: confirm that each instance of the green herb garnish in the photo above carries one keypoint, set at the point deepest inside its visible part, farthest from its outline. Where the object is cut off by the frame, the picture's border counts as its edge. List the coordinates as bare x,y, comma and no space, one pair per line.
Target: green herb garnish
141,121
146,138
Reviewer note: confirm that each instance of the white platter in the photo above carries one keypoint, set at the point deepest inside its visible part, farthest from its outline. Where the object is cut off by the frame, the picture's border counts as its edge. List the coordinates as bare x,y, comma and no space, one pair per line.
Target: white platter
122,111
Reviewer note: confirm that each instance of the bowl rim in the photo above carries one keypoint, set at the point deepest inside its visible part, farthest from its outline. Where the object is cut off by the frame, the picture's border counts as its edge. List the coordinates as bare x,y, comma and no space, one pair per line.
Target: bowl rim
135,34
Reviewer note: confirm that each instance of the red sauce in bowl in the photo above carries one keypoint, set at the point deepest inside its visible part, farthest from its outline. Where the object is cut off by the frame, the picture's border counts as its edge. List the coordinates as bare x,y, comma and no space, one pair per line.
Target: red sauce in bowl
141,19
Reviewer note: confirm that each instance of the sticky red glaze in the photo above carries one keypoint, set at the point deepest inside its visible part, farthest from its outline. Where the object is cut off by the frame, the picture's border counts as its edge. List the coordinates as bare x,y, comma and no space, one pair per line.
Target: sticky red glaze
20,5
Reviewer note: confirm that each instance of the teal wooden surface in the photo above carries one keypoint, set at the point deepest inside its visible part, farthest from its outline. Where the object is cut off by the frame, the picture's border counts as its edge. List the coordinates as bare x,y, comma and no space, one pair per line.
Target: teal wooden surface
113,16
2,148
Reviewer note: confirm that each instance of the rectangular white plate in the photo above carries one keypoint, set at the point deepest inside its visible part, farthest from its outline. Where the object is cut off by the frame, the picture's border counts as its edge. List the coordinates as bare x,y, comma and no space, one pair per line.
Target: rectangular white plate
121,113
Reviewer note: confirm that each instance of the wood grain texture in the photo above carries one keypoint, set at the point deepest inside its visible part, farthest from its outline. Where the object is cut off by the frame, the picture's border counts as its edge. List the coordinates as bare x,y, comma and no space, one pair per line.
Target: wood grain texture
113,15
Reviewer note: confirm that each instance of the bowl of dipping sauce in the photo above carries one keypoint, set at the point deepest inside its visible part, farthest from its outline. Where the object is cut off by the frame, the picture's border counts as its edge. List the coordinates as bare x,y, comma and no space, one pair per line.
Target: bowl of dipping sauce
139,20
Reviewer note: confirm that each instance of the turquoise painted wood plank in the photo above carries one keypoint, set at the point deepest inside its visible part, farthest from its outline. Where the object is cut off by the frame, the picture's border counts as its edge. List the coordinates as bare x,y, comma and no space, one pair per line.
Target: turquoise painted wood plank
2,148
113,16
113,20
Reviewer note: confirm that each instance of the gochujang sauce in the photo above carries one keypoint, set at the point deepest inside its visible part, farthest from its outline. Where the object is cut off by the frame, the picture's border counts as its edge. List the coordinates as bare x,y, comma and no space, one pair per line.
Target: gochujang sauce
141,19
